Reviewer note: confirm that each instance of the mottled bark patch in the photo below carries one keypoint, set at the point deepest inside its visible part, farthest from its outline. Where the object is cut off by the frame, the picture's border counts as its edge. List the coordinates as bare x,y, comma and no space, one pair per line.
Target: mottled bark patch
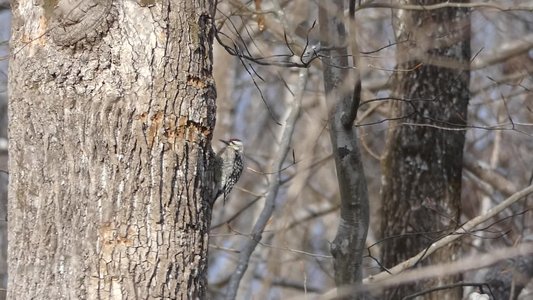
81,22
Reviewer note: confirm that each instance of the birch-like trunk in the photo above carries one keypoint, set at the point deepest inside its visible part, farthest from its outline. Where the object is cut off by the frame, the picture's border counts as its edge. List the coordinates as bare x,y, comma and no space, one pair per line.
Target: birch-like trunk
342,96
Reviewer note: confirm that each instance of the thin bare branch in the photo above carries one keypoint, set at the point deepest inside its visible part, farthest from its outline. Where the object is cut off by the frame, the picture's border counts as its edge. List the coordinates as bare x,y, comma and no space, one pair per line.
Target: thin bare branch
274,186
466,228
499,182
395,5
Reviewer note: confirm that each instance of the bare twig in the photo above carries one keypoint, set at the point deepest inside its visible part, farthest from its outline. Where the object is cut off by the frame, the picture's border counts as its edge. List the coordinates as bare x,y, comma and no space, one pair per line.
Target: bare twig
466,264
394,5
463,265
237,214
312,215
466,228
447,286
499,182
293,284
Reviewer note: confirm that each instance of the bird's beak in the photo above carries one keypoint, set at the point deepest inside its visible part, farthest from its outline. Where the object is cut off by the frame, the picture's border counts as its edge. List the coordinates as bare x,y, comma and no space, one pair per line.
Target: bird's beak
225,142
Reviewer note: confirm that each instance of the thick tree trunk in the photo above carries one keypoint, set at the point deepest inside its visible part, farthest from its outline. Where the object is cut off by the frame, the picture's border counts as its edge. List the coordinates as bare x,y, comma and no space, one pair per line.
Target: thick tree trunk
112,108
423,161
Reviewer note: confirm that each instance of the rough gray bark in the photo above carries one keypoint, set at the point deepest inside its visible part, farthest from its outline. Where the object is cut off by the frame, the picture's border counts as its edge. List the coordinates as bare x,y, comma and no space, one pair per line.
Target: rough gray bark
423,161
349,244
4,178
109,152
74,20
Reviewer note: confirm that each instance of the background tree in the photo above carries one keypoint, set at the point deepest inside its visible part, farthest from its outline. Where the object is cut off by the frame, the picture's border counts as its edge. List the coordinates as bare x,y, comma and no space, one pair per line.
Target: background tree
110,127
423,158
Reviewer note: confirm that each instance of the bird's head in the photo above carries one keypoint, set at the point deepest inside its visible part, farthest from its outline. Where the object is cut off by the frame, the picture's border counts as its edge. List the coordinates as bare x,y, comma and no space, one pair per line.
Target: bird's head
235,144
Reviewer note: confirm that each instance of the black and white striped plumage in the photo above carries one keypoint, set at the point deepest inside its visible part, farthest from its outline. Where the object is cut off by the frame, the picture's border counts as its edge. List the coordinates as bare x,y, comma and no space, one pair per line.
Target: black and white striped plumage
229,167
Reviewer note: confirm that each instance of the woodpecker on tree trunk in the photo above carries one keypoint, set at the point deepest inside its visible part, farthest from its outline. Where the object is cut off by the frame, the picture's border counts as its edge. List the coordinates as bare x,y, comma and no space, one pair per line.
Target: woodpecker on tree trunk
229,166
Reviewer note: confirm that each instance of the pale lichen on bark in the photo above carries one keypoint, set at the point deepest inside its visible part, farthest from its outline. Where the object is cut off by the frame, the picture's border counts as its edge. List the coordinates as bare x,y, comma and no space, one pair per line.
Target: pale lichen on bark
77,21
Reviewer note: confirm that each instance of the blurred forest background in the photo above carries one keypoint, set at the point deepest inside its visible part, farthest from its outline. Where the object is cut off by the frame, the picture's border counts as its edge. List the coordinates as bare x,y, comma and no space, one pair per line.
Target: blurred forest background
267,56
255,90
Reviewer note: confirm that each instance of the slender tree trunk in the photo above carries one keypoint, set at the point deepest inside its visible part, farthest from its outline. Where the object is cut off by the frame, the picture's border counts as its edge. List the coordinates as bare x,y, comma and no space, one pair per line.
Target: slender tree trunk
348,247
112,108
423,161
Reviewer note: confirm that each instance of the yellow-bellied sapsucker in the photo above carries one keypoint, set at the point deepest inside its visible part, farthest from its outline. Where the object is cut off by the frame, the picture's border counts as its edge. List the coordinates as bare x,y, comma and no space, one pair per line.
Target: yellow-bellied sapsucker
229,167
